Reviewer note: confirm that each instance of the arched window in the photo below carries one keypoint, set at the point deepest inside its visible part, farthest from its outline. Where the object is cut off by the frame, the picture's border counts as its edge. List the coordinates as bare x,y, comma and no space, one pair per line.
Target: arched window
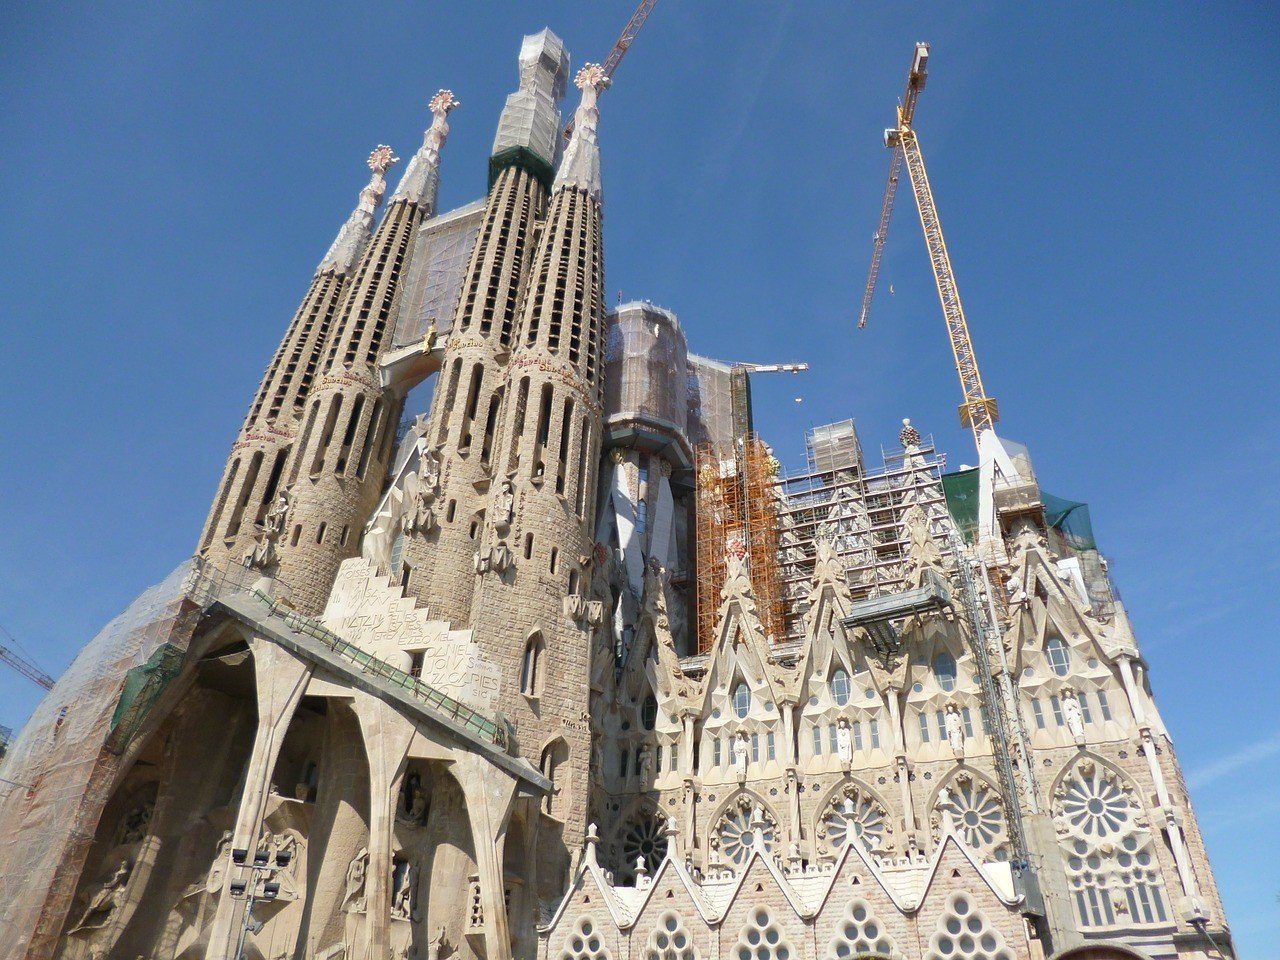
649,712
1108,849
840,686
531,666
741,700
1059,657
554,756
944,669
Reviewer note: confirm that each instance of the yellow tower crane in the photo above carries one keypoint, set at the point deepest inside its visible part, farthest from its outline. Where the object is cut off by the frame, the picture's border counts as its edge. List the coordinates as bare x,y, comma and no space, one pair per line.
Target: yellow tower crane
979,411
621,46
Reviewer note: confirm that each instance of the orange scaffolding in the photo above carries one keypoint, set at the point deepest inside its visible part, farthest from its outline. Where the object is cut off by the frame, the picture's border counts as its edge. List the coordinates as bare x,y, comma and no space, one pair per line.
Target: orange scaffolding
760,471
737,514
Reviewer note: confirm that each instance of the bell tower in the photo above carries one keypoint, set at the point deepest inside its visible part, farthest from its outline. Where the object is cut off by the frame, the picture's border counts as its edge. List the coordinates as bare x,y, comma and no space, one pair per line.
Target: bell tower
464,417
528,615
242,525
338,467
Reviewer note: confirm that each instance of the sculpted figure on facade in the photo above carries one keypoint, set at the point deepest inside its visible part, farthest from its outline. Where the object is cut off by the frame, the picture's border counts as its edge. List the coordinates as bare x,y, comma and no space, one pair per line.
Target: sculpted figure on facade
402,897
420,489
740,755
955,730
353,900
504,504
1072,715
263,552
107,899
844,742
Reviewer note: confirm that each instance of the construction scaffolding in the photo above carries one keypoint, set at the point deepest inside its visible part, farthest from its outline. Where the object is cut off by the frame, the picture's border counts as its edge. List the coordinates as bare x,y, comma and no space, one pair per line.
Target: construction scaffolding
760,475
737,515
719,531
861,510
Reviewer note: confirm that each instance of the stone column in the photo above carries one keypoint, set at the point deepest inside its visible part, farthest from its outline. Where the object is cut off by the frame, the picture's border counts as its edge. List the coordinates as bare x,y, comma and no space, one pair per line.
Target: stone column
490,794
788,708
280,679
387,736
686,743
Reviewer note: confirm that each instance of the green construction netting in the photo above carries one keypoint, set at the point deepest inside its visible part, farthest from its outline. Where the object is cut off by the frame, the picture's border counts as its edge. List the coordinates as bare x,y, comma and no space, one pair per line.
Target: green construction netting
961,491
1071,518
142,685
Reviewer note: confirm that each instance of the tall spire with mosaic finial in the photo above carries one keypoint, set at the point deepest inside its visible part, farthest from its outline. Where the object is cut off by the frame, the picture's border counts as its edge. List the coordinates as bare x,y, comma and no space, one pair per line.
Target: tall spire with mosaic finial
421,180
533,555
580,166
434,563
250,508
355,233
339,465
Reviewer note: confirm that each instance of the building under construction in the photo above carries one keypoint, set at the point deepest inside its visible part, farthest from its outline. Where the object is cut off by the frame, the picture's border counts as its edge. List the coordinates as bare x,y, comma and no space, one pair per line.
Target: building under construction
572,668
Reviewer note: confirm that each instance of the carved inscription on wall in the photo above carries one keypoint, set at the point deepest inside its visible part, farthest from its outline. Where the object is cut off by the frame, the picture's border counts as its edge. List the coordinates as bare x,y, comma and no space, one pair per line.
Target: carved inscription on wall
366,610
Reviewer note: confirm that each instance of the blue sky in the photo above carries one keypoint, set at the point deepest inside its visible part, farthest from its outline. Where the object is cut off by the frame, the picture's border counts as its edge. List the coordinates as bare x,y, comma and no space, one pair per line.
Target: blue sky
1105,174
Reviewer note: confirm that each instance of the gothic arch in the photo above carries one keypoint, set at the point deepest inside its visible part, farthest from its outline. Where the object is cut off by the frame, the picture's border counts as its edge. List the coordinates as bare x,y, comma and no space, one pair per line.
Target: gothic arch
1102,950
980,813
553,758
867,810
729,829
1110,847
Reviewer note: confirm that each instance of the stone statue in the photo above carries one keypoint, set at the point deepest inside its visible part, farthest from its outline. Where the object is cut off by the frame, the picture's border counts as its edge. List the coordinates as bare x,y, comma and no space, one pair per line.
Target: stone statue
740,754
109,896
646,763
419,492
1071,713
438,945
402,899
277,515
844,745
431,336
263,552
504,504
955,730
133,828
353,901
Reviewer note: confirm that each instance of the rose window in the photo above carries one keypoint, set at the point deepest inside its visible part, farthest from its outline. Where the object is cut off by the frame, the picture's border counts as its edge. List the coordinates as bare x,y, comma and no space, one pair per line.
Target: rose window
646,838
1112,871
963,933
1095,805
738,834
762,939
859,934
977,814
855,816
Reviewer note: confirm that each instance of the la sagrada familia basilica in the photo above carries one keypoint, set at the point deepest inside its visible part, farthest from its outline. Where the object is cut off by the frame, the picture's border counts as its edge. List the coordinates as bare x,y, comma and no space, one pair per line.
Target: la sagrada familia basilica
566,667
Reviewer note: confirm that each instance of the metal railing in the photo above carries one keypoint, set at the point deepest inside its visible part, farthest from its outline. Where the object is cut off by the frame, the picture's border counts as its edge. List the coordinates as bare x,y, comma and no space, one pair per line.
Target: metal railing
493,730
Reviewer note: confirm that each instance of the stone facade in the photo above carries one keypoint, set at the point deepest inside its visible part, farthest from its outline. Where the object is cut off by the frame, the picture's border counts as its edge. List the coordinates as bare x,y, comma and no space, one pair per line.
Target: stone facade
443,696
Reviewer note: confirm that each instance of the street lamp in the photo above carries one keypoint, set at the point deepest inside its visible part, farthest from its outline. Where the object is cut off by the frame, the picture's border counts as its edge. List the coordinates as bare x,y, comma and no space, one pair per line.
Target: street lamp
263,871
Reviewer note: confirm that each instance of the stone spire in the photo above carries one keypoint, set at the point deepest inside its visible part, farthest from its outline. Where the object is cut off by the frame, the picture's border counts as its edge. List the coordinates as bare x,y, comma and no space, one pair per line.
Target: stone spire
354,235
421,180
580,166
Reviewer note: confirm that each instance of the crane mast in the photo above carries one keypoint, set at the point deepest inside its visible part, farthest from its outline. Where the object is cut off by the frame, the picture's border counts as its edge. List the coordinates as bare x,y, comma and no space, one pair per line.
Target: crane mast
621,46
978,412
